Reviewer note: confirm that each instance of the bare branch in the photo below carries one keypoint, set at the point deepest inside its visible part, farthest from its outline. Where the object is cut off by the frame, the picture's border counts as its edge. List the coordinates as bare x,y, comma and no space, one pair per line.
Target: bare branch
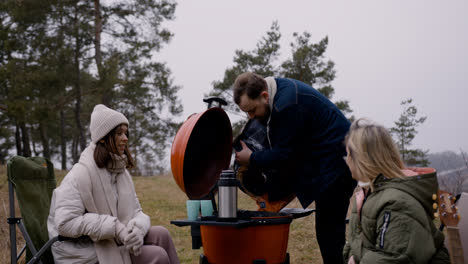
464,159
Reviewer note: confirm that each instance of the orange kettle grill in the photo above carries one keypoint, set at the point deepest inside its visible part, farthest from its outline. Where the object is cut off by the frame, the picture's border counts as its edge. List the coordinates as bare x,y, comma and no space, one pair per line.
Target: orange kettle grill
201,150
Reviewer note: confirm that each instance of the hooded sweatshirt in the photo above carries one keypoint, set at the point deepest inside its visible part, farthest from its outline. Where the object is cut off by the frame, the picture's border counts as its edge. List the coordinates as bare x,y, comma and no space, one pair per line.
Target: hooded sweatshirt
395,224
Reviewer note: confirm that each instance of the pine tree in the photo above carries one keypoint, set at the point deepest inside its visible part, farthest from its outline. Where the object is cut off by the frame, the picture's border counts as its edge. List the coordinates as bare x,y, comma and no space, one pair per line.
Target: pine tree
405,131
260,60
132,80
60,58
307,64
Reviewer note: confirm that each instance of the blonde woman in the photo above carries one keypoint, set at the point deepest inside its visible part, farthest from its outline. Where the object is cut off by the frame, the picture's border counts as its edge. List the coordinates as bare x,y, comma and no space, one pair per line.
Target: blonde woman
391,220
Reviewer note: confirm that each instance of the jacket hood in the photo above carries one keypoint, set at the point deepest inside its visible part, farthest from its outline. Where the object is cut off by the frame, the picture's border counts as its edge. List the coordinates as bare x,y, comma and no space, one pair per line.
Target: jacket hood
421,186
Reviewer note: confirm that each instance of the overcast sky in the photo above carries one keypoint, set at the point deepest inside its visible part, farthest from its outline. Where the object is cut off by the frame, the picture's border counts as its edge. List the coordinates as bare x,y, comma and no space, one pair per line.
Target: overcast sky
384,51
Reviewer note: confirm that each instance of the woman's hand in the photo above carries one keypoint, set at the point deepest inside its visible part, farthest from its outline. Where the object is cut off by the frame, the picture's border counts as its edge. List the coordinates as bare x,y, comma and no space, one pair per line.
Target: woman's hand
351,260
134,240
121,232
243,156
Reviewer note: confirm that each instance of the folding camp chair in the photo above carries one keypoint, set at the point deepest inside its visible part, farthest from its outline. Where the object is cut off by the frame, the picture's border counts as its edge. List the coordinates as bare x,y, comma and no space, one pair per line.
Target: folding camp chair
34,181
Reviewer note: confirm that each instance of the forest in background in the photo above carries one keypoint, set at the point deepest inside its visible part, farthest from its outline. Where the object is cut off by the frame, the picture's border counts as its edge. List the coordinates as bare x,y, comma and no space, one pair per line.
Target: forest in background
60,58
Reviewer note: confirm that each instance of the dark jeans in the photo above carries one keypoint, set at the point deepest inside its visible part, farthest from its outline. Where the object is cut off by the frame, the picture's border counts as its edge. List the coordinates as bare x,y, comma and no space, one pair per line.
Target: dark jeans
331,209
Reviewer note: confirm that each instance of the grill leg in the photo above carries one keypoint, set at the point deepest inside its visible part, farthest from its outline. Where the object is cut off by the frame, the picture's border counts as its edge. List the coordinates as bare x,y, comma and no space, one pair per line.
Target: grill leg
196,236
203,259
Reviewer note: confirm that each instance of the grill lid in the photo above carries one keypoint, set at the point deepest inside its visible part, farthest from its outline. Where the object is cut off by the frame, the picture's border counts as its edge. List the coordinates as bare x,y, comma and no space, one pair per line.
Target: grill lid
201,149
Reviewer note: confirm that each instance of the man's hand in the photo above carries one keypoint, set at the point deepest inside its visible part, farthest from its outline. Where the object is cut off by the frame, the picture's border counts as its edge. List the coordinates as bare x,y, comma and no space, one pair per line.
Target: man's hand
243,156
351,260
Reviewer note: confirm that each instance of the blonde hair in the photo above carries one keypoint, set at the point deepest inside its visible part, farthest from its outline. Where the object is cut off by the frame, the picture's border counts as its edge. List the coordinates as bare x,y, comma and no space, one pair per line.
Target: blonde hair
373,151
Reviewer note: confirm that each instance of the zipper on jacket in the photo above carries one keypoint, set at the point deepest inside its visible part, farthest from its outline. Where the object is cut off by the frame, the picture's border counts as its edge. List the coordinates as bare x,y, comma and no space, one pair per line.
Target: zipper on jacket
384,228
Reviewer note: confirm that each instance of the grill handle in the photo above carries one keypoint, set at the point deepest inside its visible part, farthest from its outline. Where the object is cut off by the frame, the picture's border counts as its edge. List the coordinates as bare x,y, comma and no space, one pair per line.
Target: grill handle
209,100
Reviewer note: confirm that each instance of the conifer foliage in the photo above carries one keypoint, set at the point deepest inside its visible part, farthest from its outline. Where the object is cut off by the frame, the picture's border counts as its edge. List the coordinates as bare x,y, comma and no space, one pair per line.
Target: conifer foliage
60,58
404,132
307,63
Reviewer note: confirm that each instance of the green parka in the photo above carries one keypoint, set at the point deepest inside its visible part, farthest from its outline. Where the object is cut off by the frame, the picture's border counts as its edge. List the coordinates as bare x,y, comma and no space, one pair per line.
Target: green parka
395,224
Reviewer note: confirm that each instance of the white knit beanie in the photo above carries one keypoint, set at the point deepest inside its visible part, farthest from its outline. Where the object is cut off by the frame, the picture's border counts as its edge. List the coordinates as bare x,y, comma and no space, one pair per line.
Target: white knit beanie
103,120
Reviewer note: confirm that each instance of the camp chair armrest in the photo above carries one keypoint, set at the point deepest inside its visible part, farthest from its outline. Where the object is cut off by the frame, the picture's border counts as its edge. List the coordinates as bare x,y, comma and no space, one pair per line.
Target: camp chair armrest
64,238
47,245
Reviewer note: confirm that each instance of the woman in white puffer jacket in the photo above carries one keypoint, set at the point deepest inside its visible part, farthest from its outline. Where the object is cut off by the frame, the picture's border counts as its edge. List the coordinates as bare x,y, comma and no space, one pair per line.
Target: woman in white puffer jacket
97,203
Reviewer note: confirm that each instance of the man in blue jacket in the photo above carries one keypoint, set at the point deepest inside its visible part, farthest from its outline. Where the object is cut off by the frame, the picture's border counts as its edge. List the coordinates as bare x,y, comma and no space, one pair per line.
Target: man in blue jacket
306,133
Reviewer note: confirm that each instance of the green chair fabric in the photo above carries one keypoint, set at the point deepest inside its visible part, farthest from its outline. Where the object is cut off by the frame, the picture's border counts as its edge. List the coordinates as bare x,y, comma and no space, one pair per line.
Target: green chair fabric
34,181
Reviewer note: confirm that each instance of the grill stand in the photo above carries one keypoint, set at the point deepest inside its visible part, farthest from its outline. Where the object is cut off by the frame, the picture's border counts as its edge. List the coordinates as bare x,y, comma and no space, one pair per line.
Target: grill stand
211,220
204,260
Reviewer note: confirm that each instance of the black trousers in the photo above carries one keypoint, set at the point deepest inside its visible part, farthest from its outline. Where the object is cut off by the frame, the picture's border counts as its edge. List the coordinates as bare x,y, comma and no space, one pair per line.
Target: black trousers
330,218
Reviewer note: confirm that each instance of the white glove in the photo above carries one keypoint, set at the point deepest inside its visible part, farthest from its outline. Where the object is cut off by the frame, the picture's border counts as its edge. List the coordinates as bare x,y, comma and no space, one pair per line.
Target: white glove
136,251
134,240
121,232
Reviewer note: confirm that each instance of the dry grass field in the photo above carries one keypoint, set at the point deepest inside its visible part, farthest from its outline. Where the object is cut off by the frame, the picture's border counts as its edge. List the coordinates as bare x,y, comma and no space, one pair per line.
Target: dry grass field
163,201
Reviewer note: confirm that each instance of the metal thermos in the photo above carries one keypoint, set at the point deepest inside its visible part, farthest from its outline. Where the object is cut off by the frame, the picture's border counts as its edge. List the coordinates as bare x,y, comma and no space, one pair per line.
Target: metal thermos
227,195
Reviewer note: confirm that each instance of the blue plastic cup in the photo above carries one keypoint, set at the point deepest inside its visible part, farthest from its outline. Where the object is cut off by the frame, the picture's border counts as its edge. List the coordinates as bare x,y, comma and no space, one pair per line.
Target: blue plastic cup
206,207
193,209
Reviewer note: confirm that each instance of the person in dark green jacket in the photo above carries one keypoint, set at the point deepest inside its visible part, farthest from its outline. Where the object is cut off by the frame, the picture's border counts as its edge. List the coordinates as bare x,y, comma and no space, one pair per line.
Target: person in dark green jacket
392,215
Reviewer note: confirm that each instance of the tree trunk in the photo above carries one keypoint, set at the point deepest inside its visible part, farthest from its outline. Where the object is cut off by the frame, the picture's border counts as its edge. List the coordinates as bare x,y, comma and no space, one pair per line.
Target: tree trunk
97,36
63,142
25,137
403,156
75,155
19,150
82,139
79,126
45,141
33,143
105,95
